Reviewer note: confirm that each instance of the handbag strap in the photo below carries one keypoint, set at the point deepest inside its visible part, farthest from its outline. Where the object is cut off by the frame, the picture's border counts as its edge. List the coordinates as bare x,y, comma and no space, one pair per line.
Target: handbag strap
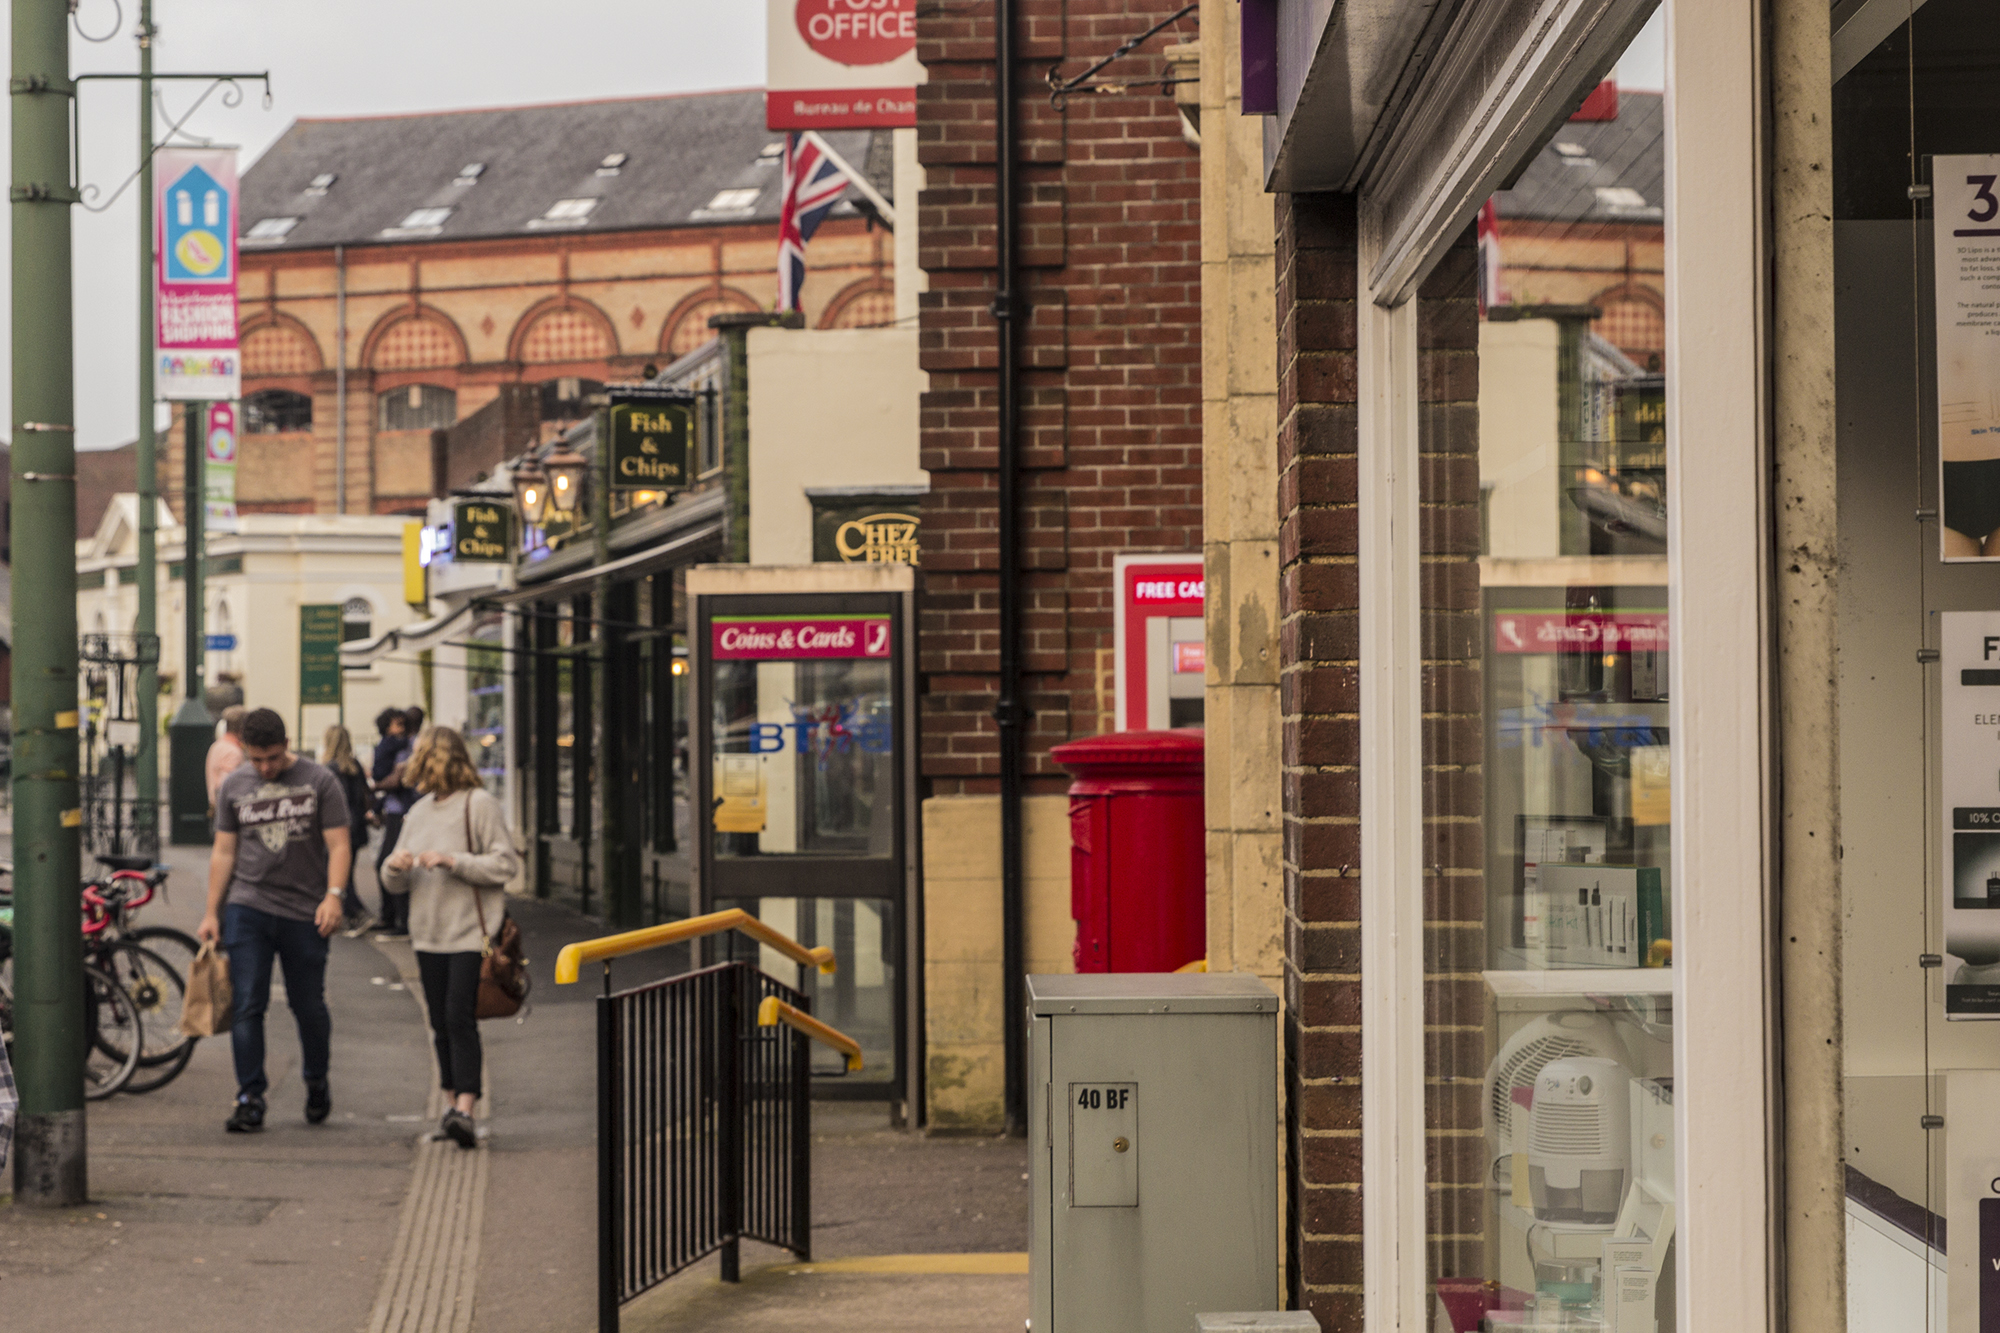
485,935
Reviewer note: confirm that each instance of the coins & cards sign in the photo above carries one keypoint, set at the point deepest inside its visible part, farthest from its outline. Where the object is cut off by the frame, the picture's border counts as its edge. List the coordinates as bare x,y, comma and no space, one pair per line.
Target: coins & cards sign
842,64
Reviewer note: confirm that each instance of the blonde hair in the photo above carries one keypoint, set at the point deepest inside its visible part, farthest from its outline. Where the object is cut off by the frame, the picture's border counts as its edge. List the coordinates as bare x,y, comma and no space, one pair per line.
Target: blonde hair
336,750
440,765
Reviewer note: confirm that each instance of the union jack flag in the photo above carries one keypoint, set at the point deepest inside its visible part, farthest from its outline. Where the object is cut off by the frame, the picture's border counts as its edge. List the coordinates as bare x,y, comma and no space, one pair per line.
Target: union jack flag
813,185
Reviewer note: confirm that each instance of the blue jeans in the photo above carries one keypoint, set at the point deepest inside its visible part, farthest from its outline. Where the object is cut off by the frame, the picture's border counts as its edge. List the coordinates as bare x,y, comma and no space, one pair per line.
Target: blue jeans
252,938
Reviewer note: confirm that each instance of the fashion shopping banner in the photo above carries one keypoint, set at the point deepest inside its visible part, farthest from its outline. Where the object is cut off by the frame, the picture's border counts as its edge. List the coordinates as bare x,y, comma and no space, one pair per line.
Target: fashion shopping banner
194,268
841,64
1966,201
218,478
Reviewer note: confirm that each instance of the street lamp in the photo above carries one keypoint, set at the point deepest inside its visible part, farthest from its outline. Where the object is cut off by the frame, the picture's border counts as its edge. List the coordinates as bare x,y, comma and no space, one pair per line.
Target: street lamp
531,492
566,469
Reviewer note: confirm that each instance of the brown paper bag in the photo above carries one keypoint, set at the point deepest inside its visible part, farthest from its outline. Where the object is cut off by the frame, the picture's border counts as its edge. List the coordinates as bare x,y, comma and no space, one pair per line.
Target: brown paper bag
210,1006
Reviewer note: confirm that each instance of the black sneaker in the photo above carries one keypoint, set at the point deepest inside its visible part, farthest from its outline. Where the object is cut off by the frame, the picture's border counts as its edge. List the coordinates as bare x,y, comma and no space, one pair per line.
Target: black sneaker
247,1118
319,1102
457,1126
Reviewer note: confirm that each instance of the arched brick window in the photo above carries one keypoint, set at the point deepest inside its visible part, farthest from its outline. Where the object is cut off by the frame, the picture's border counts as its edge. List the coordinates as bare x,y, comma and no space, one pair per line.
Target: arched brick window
416,342
867,304
279,349
1634,325
688,328
566,334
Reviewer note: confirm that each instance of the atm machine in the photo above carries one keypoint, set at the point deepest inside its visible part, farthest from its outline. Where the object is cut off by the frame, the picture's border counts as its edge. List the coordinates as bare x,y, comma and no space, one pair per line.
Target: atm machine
804,768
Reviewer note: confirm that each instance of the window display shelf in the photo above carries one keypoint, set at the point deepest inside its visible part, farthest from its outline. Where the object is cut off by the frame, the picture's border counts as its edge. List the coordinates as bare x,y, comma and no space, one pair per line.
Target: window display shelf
1582,981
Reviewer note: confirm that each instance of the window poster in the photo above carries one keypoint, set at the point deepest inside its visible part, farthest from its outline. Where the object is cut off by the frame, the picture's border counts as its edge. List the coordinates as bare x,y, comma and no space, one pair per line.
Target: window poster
1966,202
1970,787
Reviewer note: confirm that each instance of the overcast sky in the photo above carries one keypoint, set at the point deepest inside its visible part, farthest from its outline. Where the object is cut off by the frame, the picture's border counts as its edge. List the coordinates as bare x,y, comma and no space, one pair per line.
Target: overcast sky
354,57
363,57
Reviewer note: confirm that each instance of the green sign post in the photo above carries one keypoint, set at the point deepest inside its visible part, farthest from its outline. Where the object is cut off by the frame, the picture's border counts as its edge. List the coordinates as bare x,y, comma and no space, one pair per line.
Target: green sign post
481,532
319,654
652,440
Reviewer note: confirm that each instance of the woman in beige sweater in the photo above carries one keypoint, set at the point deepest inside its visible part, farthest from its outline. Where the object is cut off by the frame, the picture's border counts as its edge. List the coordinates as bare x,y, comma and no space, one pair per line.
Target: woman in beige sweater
454,860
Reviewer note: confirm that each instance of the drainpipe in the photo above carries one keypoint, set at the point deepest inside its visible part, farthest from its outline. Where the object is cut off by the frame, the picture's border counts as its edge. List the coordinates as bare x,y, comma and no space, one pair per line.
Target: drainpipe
339,380
1009,712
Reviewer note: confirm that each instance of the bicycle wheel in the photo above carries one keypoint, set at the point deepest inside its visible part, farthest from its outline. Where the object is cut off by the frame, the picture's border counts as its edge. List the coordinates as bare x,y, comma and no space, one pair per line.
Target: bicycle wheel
113,1037
176,947
158,992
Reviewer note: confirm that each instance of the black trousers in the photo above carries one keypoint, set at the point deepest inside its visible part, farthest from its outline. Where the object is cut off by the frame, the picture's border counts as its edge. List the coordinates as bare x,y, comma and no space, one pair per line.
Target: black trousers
451,994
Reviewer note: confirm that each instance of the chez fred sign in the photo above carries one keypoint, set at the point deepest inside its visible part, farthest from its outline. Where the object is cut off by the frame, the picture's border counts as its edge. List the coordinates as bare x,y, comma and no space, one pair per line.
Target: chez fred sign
652,439
479,532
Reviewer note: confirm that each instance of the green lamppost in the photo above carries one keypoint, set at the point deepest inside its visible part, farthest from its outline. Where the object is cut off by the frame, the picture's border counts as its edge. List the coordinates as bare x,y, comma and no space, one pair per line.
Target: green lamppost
193,729
49,1163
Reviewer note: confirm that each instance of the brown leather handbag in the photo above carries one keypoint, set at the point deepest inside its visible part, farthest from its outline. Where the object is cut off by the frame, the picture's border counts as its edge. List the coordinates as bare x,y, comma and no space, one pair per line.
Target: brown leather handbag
503,973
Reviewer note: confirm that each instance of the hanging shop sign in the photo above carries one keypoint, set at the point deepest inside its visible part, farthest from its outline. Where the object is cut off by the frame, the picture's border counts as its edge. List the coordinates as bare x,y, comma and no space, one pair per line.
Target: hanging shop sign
480,532
320,629
652,441
774,638
194,298
1970,756
871,530
841,64
1967,273
218,478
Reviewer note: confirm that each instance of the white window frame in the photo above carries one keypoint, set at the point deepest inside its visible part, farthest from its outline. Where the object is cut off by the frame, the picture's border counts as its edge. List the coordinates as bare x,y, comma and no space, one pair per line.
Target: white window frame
1725,1046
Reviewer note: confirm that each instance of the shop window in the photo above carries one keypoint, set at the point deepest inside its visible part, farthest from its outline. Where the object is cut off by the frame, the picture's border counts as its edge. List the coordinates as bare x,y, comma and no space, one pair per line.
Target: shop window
567,399
1549,1012
272,411
357,619
417,407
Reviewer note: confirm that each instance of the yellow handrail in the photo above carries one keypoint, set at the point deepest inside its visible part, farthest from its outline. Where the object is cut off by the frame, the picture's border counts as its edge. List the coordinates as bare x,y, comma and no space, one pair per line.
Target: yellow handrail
774,1011
574,956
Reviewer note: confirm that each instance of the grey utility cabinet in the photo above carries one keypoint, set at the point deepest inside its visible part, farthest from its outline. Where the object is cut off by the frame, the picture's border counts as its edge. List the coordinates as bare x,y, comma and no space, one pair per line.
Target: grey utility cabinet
1153,1144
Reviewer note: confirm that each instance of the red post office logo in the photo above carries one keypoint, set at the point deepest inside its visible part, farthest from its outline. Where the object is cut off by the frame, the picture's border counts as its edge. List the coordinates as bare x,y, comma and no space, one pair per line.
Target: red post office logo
858,32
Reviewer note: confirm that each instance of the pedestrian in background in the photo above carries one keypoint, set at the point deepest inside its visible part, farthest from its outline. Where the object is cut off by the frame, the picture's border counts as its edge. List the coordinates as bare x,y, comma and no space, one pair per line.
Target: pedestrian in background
336,755
455,860
274,879
9,1099
225,756
392,801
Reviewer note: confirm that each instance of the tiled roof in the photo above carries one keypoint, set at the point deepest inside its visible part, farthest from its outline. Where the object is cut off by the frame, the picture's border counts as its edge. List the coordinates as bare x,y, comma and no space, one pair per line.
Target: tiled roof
508,171
1597,171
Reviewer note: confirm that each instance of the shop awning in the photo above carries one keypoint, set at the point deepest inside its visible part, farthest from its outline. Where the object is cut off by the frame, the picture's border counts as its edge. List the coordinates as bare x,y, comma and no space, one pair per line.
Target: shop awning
676,550
408,638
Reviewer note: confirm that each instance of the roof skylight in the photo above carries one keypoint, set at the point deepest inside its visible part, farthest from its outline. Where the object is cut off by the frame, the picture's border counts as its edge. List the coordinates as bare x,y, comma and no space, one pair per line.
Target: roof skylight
734,201
612,163
470,173
271,229
321,183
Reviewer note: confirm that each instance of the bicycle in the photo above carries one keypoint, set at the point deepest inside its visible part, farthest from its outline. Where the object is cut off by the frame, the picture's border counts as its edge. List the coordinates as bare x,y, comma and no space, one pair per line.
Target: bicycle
111,1029
130,959
156,989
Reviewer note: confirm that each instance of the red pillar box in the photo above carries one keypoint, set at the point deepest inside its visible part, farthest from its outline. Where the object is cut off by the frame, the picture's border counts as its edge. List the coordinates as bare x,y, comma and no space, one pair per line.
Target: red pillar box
1138,865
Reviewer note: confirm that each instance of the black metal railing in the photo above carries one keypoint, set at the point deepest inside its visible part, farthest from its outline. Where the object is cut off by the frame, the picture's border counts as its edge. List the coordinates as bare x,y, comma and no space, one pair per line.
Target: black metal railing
703,1129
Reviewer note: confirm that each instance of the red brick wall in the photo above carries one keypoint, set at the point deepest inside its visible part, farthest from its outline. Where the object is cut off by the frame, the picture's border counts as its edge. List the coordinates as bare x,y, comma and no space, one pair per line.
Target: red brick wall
1319,644
1110,245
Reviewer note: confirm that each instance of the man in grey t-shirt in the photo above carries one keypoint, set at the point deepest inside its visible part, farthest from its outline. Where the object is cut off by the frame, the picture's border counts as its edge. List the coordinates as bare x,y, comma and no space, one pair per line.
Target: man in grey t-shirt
274,885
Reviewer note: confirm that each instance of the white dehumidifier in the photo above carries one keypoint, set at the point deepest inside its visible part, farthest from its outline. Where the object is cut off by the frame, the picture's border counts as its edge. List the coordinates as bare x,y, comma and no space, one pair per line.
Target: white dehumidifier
1580,1140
